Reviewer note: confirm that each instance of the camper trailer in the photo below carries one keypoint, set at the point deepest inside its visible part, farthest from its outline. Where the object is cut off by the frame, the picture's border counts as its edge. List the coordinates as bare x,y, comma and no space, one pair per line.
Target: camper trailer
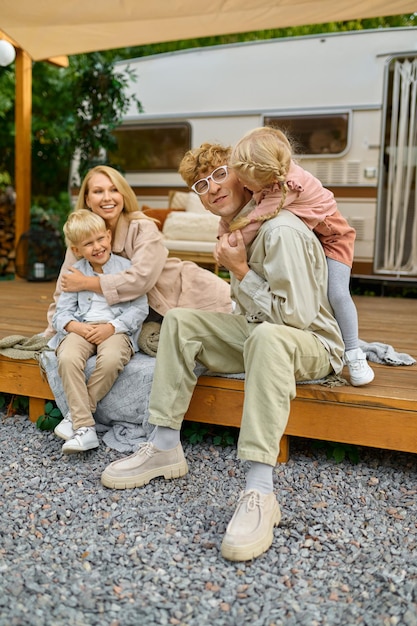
348,100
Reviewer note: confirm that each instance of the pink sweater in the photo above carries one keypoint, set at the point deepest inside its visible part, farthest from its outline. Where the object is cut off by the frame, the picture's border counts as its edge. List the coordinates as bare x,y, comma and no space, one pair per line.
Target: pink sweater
314,204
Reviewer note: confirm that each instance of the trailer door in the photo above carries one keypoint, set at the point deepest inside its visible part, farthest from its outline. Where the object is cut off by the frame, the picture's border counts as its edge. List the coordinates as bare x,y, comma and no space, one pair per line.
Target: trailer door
396,230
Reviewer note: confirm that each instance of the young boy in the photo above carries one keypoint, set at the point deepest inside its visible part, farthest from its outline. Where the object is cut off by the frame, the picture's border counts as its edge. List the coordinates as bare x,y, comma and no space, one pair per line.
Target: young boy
87,325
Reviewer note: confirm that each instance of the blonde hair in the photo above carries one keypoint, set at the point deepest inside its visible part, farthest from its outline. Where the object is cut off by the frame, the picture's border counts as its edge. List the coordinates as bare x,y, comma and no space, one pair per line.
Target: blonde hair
130,204
263,156
196,163
80,225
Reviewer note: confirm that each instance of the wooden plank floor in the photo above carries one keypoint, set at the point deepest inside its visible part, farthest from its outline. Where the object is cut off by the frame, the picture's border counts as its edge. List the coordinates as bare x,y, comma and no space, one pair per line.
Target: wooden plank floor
23,307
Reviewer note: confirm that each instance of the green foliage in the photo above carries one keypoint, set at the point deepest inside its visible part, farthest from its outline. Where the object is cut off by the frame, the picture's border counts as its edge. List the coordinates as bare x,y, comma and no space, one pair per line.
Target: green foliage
5,180
225,437
338,451
50,418
73,108
51,212
99,94
7,134
195,432
11,404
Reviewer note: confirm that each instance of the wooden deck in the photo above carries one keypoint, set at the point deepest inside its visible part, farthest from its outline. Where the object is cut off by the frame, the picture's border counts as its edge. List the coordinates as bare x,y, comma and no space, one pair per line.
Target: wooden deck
23,307
382,414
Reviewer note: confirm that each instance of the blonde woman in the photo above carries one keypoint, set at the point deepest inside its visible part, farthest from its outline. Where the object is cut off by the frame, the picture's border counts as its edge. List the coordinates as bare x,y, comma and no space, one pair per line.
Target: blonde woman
168,282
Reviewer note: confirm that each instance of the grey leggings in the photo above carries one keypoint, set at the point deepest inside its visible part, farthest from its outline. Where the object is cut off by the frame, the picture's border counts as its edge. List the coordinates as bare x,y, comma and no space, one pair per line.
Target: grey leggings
342,304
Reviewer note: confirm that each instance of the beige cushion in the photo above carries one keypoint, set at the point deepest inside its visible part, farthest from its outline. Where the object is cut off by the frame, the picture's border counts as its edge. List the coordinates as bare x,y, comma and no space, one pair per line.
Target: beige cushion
191,226
189,201
177,199
158,214
178,245
194,204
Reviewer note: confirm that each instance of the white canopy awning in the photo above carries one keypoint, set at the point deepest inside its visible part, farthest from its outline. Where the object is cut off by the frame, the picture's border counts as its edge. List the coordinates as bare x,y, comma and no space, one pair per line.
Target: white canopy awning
49,28
53,29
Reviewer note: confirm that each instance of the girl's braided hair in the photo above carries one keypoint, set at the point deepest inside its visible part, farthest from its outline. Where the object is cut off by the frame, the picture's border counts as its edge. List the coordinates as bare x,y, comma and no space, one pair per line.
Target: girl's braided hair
261,158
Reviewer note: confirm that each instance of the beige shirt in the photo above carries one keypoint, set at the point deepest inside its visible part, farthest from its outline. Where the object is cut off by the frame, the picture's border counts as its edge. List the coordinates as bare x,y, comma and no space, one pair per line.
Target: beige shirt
168,282
287,283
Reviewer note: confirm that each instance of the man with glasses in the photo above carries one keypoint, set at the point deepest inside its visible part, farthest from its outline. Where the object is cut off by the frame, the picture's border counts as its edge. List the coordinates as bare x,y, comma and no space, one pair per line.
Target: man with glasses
282,331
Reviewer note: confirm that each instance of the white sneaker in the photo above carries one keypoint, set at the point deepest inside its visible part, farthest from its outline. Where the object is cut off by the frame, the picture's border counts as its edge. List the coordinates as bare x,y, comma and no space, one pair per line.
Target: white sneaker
359,371
64,429
84,438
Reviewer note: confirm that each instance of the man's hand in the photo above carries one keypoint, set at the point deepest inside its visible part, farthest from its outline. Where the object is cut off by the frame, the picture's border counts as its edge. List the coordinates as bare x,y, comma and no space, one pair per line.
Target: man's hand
233,258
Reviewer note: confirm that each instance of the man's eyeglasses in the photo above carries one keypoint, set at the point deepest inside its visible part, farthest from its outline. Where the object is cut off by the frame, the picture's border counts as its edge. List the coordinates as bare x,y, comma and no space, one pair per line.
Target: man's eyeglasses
218,176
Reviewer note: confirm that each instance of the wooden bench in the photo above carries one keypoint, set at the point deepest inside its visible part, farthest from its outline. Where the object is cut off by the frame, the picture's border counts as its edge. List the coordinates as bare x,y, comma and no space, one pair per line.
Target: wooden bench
382,415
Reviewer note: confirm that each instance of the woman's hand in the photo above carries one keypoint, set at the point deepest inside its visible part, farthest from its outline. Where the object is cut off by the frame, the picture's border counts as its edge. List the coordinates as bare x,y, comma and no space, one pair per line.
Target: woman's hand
77,281
73,281
233,258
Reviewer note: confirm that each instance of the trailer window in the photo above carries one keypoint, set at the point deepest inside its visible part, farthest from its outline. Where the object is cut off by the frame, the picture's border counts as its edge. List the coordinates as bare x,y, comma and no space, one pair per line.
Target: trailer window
314,134
150,147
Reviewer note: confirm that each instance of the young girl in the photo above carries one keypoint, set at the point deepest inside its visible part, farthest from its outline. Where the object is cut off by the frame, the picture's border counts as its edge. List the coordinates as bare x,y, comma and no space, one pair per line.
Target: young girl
262,159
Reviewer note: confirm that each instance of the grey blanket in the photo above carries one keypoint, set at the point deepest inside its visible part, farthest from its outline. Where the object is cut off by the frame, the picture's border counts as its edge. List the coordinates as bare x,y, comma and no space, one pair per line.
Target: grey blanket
385,354
122,415
21,347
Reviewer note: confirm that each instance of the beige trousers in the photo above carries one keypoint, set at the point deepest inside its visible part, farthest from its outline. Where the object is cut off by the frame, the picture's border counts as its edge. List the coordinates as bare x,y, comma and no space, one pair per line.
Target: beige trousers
272,356
83,396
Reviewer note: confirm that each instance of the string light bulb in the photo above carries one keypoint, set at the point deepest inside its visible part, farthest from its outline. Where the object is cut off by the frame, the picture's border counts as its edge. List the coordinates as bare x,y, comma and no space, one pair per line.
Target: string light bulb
7,53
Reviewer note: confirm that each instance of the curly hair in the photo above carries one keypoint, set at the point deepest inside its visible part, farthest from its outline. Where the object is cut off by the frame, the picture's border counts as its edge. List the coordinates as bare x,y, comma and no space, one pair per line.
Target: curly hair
199,161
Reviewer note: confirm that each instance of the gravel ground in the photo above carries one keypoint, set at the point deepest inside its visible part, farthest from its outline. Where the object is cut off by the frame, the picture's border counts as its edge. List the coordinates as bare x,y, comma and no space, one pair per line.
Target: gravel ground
73,553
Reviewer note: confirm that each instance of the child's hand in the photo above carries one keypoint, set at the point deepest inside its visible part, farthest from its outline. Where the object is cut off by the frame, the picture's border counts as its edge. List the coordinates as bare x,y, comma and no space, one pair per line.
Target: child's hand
99,333
233,258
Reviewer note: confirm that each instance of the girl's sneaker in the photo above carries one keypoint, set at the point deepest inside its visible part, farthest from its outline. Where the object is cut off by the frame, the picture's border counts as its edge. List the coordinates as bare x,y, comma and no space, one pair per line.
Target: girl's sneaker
359,371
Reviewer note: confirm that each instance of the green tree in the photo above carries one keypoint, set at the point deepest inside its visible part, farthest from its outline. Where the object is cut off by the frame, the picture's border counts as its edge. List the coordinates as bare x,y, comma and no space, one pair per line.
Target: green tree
100,99
7,99
73,109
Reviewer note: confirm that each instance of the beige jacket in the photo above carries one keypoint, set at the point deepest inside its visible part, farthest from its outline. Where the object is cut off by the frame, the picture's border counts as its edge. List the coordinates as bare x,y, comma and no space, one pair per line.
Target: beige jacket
168,282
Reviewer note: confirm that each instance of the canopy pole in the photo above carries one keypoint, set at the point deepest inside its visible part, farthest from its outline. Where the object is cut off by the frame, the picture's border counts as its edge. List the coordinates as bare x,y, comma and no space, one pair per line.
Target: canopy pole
23,124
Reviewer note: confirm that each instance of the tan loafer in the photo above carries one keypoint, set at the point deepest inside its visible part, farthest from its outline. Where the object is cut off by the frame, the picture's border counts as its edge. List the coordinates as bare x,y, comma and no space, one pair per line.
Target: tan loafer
146,463
250,531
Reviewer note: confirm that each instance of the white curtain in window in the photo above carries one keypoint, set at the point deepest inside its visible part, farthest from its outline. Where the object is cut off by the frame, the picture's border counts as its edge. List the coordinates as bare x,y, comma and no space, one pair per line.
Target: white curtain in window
400,251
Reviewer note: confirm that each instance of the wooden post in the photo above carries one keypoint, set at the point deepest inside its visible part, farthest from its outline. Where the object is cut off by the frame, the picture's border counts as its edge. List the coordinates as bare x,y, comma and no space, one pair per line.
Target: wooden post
23,124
